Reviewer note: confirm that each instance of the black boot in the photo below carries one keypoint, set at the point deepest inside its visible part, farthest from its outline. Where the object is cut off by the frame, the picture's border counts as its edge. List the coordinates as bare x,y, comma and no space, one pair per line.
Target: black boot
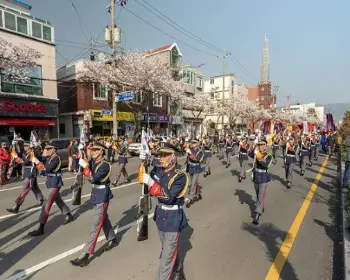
68,218
240,179
256,219
14,209
189,203
302,173
81,261
77,198
37,232
110,245
205,174
179,274
41,202
209,173
199,197
289,185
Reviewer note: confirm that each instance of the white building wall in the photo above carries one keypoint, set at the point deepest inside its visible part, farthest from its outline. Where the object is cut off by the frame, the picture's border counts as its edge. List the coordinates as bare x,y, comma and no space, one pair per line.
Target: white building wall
217,85
68,124
301,110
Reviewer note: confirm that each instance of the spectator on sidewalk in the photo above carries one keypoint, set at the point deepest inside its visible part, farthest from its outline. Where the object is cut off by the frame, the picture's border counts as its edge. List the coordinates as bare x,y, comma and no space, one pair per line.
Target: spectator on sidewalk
346,177
5,159
70,158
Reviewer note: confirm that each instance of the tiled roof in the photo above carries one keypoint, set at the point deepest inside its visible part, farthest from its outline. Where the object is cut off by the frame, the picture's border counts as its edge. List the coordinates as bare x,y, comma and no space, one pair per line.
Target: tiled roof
164,48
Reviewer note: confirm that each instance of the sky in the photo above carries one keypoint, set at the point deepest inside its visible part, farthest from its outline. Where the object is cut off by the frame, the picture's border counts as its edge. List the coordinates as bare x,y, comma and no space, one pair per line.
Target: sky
309,41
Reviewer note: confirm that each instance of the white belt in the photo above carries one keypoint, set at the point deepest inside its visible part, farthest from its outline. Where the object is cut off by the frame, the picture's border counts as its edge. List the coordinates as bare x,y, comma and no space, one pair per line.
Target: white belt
54,175
290,155
243,153
194,163
99,186
169,207
260,170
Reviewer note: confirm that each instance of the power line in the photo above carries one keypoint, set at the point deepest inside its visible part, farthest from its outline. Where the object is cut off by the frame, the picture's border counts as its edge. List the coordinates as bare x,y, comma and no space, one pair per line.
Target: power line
81,22
178,27
167,34
235,60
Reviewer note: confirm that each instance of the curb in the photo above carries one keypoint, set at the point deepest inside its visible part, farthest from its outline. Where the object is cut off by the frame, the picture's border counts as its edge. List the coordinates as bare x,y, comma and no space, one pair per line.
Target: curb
345,224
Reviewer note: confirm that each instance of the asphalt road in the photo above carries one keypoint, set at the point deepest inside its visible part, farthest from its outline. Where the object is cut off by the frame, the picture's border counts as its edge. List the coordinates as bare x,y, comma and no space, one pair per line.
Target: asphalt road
221,243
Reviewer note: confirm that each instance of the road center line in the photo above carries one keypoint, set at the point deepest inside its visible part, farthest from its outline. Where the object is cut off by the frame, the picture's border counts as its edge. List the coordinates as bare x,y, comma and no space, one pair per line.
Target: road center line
67,200
281,258
63,255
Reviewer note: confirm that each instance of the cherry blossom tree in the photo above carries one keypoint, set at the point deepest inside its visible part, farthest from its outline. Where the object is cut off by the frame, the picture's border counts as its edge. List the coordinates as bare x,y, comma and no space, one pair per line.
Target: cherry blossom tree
17,61
257,116
141,73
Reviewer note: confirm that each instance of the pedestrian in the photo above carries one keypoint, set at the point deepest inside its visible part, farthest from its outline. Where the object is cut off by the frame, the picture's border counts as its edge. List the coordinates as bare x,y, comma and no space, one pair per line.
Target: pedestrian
195,156
261,176
30,180
70,158
229,144
346,177
221,147
169,187
51,168
5,160
292,149
275,147
312,152
122,160
101,195
243,157
304,153
330,143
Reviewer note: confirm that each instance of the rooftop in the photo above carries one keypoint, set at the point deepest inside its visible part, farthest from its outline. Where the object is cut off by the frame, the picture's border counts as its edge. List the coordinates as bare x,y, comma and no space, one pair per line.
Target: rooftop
165,48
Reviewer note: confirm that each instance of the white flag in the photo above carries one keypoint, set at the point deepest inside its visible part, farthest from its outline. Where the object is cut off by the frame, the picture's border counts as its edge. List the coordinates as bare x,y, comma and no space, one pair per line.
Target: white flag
144,143
83,139
33,142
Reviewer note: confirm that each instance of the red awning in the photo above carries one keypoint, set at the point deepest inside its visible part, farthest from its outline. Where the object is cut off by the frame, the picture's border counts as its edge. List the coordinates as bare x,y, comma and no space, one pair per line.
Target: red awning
26,122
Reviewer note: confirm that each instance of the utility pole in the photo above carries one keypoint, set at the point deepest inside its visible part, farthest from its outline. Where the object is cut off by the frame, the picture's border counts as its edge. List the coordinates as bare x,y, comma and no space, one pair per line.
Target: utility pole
223,86
115,117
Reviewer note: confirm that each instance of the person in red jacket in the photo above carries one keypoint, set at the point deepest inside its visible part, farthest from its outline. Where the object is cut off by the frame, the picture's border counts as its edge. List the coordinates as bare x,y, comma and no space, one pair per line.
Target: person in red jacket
5,159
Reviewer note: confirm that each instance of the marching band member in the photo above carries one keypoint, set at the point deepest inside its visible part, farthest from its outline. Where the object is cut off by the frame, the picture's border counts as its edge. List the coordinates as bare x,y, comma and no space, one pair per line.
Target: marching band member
30,179
169,186
275,147
51,168
304,153
318,144
229,149
122,151
207,145
221,146
77,187
261,176
195,156
101,195
290,159
312,151
284,141
243,157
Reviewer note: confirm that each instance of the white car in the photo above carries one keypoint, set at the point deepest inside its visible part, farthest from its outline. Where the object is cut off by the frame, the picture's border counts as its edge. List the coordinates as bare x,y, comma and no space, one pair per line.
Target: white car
134,149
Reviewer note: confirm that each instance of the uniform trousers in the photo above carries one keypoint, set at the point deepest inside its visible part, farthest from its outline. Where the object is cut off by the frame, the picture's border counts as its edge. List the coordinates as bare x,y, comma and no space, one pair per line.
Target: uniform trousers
243,164
122,170
274,152
53,196
317,151
303,159
289,171
101,221
78,185
312,153
194,189
260,190
168,258
222,152
30,184
207,164
228,156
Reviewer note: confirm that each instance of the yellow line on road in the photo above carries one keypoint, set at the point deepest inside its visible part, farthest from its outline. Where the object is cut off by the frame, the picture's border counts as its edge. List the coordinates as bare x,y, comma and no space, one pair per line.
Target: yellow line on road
281,258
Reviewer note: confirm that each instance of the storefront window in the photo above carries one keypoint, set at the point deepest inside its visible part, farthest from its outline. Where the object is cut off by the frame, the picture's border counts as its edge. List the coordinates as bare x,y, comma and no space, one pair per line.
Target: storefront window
32,87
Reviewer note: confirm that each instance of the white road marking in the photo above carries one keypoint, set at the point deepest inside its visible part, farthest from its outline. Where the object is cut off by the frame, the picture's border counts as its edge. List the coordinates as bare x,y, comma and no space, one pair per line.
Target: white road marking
70,252
41,183
67,200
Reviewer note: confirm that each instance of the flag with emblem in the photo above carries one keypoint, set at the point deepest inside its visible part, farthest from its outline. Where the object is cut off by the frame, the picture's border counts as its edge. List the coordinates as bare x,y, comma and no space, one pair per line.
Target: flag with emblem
33,142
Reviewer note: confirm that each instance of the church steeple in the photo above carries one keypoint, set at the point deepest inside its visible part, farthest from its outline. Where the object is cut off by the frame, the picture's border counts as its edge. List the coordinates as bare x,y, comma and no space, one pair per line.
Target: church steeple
265,66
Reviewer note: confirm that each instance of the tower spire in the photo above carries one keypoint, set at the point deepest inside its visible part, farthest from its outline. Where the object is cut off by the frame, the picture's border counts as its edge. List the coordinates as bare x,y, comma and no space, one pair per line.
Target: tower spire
265,67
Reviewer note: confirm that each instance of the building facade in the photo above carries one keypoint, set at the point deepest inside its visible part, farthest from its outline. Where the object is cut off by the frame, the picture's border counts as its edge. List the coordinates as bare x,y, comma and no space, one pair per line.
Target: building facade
306,110
33,104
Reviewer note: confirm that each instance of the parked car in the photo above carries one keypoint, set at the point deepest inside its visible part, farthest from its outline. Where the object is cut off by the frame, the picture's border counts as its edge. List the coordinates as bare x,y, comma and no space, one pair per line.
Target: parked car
134,149
62,148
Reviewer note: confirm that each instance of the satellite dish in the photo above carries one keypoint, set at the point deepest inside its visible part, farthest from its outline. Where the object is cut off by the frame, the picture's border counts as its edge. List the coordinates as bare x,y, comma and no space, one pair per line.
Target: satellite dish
101,56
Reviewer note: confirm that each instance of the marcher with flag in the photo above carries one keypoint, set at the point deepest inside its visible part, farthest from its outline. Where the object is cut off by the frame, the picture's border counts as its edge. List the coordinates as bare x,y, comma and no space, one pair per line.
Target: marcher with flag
169,187
51,168
30,174
123,160
98,175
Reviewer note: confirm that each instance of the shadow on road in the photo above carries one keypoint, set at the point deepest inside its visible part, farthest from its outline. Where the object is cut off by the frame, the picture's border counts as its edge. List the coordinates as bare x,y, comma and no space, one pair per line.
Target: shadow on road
185,243
272,237
245,198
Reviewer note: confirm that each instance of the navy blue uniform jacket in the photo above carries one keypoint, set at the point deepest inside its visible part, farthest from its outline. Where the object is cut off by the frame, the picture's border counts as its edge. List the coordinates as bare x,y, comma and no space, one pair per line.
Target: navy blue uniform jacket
101,171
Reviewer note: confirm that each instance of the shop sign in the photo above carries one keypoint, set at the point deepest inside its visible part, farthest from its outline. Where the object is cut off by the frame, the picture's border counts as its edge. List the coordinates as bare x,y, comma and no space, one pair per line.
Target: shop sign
154,118
26,108
104,115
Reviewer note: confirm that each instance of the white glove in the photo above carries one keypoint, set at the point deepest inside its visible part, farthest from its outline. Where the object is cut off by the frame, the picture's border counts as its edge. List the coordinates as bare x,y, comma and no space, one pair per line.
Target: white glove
35,160
146,179
83,163
81,146
188,151
143,155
